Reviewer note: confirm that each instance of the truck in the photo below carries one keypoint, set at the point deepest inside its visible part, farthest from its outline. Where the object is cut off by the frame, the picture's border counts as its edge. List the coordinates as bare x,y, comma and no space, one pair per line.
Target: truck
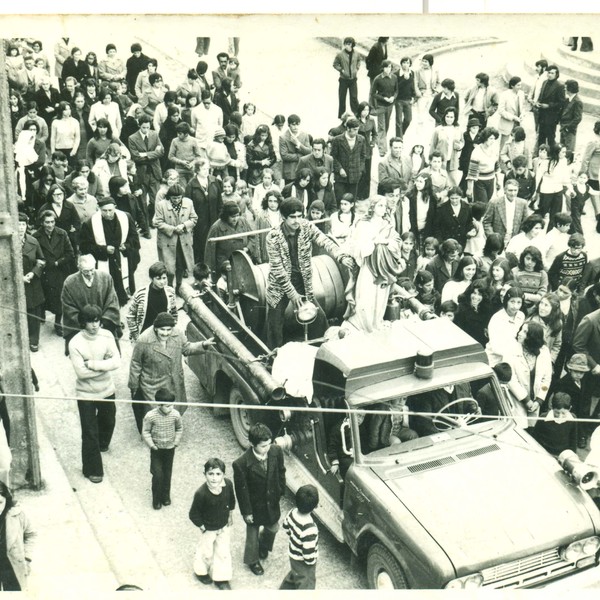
473,502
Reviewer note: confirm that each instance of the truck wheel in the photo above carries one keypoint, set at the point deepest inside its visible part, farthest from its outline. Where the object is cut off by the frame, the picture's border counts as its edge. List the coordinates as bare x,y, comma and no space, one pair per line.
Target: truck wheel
241,418
383,570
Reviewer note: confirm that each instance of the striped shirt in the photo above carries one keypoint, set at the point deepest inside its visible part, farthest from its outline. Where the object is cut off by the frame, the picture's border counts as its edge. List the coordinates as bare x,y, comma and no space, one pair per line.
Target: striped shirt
304,537
162,431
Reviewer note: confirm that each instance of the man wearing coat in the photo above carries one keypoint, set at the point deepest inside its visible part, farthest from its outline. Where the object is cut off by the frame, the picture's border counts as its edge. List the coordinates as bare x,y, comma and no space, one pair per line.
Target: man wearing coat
349,153
293,144
377,54
110,236
146,152
394,165
453,219
550,104
571,116
587,341
347,63
259,479
316,159
505,214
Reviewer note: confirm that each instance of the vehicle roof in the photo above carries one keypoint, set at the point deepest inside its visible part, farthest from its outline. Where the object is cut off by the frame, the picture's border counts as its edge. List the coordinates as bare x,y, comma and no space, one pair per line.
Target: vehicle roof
369,358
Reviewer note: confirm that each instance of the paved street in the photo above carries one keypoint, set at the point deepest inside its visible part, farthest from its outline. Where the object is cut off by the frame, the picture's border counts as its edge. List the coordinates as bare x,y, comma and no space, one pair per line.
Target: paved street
148,547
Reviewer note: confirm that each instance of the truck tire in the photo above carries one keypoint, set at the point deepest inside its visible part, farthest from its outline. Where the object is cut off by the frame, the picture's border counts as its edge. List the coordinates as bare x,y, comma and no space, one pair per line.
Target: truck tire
383,570
241,419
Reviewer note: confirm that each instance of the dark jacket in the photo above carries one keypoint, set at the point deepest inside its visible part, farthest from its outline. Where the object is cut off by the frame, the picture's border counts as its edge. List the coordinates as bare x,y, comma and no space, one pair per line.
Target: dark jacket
447,226
571,115
437,267
553,94
351,160
259,492
377,54
67,220
31,252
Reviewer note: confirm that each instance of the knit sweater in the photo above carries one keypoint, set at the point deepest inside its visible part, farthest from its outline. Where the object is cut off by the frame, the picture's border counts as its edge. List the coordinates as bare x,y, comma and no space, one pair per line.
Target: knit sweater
162,431
93,357
212,510
304,537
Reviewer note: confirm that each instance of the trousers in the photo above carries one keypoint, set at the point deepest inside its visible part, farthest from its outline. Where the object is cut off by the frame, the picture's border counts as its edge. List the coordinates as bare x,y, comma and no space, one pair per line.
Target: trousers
213,554
97,426
350,87
257,540
300,576
161,467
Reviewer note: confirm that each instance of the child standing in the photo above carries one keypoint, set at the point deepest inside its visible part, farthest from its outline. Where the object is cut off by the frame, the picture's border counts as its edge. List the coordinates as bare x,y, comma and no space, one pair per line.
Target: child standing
162,430
556,431
430,249
211,511
303,548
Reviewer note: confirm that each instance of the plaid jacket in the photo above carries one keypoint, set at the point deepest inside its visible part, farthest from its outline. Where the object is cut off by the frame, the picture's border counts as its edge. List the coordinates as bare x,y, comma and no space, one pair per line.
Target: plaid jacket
279,281
352,161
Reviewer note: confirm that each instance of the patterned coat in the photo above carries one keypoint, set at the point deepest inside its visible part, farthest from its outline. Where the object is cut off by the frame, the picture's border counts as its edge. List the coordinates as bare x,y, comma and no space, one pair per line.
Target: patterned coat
279,282
351,160
136,313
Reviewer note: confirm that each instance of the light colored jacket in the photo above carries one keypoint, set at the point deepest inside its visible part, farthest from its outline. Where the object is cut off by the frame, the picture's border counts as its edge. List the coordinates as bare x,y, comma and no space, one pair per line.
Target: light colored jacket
19,543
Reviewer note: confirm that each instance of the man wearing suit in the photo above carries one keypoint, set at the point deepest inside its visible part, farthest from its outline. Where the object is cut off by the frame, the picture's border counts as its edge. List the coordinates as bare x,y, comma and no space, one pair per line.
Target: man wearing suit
293,144
349,153
550,105
259,479
571,115
453,219
505,214
587,340
377,54
394,165
146,151
316,159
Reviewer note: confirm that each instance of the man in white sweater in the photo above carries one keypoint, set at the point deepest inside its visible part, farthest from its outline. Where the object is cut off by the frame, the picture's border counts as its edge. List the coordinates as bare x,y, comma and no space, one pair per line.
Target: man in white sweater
94,354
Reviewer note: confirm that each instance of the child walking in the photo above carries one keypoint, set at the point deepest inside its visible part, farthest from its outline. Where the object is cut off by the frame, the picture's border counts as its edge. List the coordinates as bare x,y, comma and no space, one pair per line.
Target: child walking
162,430
211,511
303,546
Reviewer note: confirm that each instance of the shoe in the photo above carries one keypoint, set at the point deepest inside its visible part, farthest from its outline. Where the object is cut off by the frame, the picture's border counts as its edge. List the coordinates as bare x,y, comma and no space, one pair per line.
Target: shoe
34,347
103,448
156,505
58,330
257,568
263,554
205,579
166,502
95,478
222,585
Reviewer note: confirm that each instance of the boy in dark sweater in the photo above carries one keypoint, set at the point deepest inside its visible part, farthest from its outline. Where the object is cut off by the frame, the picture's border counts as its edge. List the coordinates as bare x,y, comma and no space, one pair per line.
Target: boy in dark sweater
570,263
557,429
211,511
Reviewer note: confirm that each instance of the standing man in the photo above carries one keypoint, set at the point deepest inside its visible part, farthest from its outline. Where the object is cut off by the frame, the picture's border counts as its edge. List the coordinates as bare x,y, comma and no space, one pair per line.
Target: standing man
571,115
384,90
259,480
505,214
453,219
550,105
135,64
108,234
316,159
349,153
377,54
146,152
293,144
289,248
347,63
587,341
405,97
94,354
535,88
394,165
481,101
443,100
89,286
221,73
510,109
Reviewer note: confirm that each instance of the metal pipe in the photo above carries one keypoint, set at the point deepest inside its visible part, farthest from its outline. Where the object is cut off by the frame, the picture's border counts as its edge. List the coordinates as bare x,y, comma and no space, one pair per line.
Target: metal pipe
235,236
267,387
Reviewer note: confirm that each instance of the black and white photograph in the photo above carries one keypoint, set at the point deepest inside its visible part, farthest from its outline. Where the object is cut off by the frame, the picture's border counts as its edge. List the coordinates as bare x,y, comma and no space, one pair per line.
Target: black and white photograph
287,304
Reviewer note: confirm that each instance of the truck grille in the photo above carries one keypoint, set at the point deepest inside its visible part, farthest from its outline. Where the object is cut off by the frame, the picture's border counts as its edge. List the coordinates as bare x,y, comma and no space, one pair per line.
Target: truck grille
528,571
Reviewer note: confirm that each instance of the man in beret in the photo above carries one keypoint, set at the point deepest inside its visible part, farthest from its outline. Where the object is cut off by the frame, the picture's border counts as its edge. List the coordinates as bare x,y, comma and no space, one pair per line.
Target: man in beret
108,234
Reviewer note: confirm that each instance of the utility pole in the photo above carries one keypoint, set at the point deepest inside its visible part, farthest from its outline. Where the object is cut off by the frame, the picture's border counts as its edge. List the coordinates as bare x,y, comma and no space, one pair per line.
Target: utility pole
14,338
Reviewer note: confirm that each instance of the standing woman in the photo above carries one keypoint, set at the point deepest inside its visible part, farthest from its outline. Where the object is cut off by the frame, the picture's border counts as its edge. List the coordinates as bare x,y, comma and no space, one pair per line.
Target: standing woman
16,542
60,262
106,108
481,175
530,235
90,67
368,129
154,95
112,67
175,219
299,188
74,66
65,133
530,276
343,219
470,139
497,282
473,313
504,325
427,81
204,191
462,278
555,177
419,209
323,190
548,314
81,114
132,122
260,155
16,108
276,131
448,140
591,165
269,216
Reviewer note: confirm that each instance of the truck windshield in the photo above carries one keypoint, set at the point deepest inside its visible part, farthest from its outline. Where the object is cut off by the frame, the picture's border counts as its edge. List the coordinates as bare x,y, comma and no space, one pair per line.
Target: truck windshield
432,416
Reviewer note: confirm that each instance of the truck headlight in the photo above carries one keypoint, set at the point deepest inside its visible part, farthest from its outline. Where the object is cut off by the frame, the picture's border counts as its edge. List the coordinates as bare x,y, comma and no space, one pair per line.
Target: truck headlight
469,582
580,548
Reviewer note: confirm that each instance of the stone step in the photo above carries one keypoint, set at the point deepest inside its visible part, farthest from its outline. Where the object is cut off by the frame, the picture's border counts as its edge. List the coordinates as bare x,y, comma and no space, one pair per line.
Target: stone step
590,60
570,69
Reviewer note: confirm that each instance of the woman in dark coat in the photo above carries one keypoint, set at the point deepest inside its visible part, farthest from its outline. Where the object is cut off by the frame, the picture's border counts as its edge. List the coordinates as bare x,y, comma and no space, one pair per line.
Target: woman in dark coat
168,132
260,155
473,313
226,100
60,263
67,217
74,66
205,193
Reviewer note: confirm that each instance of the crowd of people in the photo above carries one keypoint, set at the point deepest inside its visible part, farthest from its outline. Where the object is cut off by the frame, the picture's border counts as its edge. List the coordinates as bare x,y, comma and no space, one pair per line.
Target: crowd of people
478,223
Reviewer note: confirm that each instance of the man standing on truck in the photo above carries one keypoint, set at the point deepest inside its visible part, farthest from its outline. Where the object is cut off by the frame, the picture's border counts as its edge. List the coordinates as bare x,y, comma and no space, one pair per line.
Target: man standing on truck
289,248
259,480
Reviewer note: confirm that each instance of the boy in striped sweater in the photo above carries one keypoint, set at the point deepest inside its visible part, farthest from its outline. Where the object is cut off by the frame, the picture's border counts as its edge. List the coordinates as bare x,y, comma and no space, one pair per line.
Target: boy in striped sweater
304,541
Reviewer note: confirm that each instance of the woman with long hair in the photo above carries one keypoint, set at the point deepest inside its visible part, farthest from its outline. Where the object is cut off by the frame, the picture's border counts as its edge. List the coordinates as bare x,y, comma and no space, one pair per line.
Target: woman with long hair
65,134
530,276
473,313
590,164
106,108
504,325
419,209
408,253
481,175
343,219
465,273
555,176
530,235
16,541
90,67
497,280
102,139
16,108
260,155
268,217
548,314
299,188
368,129
448,140
493,247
